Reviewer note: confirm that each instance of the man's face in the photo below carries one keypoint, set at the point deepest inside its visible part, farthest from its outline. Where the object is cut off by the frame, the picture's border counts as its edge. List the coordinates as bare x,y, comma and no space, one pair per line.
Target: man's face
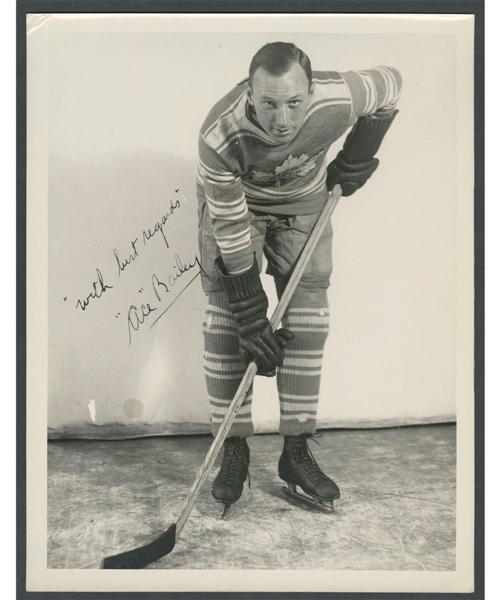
280,102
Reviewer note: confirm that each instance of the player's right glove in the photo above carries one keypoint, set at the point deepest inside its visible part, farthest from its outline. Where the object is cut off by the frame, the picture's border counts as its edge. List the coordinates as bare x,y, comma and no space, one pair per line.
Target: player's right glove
248,304
355,163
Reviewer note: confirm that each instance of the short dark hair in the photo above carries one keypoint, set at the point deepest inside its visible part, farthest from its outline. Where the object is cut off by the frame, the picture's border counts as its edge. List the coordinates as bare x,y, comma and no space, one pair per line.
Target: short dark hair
277,58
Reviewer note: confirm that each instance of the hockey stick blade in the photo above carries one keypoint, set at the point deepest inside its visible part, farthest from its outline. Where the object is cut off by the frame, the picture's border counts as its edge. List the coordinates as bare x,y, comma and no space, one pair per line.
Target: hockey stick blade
145,555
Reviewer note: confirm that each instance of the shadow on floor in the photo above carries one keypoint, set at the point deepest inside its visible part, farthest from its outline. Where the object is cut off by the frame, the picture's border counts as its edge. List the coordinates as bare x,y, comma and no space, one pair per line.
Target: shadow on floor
396,510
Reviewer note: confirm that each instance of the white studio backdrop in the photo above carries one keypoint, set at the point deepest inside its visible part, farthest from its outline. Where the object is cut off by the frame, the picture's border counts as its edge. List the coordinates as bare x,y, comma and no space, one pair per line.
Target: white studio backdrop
124,111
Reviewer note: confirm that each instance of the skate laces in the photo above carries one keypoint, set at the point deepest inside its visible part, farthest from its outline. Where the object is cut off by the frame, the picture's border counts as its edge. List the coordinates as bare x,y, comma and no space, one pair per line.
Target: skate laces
310,465
234,456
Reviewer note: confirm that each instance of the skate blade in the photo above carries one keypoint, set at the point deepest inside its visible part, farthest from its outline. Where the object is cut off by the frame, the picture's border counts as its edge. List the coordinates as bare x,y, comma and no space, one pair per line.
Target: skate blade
225,508
314,502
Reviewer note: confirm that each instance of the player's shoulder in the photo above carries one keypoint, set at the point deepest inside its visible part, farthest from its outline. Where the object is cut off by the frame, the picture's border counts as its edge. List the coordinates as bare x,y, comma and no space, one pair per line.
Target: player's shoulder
327,77
384,73
230,109
329,87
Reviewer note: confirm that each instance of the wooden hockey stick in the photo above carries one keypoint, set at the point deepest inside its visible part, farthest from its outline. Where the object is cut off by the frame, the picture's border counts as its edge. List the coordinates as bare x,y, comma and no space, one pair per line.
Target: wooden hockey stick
144,555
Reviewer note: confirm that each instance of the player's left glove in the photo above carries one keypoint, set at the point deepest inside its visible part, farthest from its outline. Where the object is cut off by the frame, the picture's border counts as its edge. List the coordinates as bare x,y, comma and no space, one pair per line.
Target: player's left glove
350,176
355,163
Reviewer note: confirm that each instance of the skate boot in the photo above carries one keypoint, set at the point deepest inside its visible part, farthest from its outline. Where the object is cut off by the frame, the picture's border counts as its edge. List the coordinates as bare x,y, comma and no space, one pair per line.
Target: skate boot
298,467
228,485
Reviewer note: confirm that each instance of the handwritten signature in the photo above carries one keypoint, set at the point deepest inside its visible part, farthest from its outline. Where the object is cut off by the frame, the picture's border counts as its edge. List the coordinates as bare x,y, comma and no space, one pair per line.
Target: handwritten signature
99,287
138,316
123,264
147,235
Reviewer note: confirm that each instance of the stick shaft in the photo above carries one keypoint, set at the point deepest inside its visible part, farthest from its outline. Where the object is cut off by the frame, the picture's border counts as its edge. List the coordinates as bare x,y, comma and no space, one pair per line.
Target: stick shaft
251,371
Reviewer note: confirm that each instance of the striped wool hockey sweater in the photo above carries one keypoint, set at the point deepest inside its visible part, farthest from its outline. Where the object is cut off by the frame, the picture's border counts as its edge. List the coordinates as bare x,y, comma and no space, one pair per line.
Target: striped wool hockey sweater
240,167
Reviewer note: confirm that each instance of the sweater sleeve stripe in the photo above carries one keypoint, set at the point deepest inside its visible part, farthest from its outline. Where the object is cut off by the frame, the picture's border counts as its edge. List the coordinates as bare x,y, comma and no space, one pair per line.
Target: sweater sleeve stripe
218,176
329,76
233,246
392,85
226,203
389,85
218,124
325,103
327,81
222,210
330,90
228,242
228,126
373,90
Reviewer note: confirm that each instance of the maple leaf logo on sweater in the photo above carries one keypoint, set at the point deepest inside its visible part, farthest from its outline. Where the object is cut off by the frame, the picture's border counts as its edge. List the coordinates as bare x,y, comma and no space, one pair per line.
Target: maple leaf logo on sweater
291,168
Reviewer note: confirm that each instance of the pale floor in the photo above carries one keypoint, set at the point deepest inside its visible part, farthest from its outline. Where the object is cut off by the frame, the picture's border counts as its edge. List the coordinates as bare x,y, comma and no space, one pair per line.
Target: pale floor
396,510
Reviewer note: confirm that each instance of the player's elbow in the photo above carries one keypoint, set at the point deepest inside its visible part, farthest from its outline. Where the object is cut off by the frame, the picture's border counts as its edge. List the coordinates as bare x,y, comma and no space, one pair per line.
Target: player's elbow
398,77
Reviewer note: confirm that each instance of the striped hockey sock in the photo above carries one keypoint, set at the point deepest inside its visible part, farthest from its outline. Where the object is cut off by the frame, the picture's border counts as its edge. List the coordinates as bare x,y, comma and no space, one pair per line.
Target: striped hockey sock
223,366
307,316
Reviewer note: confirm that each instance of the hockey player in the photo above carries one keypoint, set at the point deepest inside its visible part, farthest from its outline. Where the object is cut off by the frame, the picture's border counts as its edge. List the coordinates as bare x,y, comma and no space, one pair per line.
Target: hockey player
262,182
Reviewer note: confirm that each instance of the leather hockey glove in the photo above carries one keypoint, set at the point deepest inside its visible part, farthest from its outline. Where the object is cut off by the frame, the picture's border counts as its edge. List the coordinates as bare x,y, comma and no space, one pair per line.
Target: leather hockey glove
350,176
248,304
355,163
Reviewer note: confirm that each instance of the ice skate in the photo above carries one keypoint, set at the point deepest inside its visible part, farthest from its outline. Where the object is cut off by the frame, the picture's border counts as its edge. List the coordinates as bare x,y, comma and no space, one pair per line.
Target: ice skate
228,485
297,467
